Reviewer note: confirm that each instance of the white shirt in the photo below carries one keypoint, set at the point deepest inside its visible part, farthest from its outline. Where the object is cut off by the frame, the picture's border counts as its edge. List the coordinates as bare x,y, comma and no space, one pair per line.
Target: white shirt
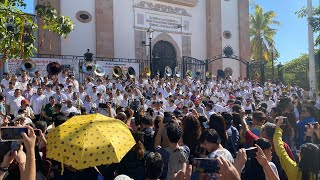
65,110
62,98
8,93
171,108
37,102
15,103
5,83
209,113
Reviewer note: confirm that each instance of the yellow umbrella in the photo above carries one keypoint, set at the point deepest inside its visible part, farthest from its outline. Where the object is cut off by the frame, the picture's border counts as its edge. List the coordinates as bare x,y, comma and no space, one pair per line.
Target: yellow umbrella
89,140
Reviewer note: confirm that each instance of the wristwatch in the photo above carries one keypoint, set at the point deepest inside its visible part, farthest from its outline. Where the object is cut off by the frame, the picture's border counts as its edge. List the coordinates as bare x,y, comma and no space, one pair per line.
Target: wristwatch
3,169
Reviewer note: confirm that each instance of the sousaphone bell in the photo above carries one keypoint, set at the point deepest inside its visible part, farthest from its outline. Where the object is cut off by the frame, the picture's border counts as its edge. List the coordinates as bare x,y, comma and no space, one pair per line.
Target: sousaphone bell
88,67
168,71
54,68
147,71
28,65
99,71
177,72
131,73
117,71
189,74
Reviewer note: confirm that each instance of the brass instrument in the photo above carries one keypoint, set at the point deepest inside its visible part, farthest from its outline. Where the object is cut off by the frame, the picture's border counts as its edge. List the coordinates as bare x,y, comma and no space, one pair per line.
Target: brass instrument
88,67
147,71
131,73
177,72
28,65
54,68
198,73
208,74
168,71
99,71
189,74
117,71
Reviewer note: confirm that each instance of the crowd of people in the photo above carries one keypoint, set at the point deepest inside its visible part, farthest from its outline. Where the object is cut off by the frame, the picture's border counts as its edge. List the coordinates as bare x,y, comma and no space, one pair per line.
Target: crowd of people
190,128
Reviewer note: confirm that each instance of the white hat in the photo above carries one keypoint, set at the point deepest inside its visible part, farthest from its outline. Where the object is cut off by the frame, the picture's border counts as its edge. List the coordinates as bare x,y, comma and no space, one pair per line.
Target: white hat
122,177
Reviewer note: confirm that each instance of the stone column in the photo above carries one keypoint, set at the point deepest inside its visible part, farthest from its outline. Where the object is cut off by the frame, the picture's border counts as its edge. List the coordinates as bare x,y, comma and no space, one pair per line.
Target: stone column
104,28
214,33
244,34
48,42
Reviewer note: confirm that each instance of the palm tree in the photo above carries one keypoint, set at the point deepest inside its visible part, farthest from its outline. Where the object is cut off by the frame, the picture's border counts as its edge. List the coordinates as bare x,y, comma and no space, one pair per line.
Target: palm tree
261,33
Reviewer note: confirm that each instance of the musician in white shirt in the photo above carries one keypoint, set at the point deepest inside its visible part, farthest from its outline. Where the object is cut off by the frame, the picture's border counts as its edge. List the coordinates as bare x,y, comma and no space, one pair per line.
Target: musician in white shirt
37,102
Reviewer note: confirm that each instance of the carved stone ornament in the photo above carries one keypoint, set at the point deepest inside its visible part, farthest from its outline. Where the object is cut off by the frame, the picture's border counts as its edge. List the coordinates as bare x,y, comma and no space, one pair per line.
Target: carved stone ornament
162,8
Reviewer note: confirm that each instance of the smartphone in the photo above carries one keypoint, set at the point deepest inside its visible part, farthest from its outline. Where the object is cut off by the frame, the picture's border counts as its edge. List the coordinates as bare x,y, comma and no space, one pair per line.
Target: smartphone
37,132
12,133
190,110
103,105
284,120
251,152
205,165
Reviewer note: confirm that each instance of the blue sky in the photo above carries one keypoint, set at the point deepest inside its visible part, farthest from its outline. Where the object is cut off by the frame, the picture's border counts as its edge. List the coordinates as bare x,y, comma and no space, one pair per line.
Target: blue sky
292,37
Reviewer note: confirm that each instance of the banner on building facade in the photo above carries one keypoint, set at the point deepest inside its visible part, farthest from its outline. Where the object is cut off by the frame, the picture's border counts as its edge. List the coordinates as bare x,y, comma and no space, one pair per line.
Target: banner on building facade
14,65
108,66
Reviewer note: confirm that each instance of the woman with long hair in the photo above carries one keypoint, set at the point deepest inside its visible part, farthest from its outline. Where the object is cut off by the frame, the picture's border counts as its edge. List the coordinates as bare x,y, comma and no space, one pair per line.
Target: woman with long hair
192,131
309,165
217,122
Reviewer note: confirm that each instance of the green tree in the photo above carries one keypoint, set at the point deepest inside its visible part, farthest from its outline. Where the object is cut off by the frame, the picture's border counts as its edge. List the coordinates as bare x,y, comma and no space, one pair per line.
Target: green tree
314,21
297,70
262,33
18,29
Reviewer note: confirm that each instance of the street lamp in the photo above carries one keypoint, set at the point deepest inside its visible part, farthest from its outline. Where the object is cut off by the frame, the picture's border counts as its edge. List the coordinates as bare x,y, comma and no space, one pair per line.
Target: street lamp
272,49
280,75
150,32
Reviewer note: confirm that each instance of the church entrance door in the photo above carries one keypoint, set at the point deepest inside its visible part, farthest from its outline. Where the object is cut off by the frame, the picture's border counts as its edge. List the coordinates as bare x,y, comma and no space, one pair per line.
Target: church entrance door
164,54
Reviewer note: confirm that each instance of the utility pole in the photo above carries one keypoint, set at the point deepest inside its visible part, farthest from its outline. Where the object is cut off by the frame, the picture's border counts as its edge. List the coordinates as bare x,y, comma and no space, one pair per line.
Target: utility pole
312,70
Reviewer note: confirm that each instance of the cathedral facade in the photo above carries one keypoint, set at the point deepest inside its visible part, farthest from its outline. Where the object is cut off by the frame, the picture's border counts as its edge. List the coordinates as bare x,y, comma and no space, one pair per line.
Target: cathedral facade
121,29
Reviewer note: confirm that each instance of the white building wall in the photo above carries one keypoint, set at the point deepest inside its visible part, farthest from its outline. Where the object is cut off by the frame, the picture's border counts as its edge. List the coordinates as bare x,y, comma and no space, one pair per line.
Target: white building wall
123,19
230,22
84,35
199,31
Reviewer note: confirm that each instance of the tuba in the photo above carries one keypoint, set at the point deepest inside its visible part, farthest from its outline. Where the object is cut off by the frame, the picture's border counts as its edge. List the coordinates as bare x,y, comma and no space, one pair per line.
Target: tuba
177,72
54,68
208,74
99,71
189,74
198,73
117,71
88,67
146,71
131,73
28,65
168,71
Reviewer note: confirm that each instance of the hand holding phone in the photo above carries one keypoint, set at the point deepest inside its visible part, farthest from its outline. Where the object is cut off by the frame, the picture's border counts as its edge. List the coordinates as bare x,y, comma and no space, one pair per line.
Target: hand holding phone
251,152
283,122
205,165
12,133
